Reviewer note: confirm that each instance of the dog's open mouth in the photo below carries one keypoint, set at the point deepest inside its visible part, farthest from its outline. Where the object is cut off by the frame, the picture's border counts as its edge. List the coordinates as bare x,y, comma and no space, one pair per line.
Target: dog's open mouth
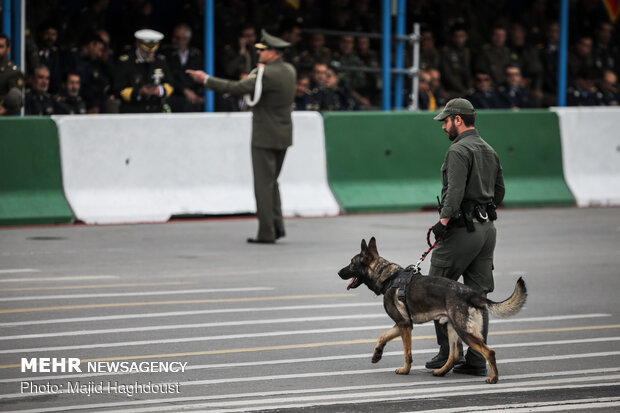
355,282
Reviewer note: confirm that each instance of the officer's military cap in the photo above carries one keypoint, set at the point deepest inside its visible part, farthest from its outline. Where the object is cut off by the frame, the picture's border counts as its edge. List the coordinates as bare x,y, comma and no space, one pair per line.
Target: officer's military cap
148,39
268,41
456,106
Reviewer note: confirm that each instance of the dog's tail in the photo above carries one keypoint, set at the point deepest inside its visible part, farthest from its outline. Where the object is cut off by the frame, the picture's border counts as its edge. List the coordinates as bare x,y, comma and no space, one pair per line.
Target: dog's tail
512,305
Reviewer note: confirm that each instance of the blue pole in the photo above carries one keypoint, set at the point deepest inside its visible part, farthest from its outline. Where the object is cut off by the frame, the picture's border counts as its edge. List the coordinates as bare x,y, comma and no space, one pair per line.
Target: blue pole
563,53
16,37
209,52
385,51
400,54
6,22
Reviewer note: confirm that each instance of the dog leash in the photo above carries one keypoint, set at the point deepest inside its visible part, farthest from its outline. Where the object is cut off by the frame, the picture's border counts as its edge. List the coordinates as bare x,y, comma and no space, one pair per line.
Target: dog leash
416,267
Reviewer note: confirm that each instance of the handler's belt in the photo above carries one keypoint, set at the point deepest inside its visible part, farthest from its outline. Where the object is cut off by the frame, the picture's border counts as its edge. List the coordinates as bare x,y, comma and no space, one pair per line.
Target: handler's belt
472,211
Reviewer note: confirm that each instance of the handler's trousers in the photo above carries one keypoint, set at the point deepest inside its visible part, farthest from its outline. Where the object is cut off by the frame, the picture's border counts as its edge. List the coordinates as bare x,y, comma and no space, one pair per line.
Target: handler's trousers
469,254
267,164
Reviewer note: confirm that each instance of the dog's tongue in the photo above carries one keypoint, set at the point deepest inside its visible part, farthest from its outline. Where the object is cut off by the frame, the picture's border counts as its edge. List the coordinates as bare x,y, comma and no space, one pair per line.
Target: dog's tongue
353,281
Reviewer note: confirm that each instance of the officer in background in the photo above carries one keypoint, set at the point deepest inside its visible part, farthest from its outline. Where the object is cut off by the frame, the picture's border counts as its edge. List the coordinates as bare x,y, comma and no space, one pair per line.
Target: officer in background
38,101
270,92
11,80
473,184
69,101
142,77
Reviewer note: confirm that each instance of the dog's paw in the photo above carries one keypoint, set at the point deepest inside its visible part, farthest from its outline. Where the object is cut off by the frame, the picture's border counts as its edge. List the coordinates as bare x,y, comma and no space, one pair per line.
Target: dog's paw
403,370
439,373
492,380
376,356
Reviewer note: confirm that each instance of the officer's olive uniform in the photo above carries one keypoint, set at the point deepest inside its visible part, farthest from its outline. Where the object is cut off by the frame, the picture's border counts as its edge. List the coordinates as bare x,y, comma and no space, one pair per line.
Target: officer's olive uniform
272,134
471,172
11,84
68,105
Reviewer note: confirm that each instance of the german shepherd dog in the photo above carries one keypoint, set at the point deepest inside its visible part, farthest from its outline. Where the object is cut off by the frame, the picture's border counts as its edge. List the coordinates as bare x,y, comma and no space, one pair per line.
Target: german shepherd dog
429,298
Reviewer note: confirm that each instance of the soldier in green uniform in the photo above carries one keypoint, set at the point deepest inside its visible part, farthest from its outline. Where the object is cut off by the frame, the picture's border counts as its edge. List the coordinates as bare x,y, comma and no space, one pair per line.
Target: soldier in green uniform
11,80
142,79
473,184
270,91
38,101
69,101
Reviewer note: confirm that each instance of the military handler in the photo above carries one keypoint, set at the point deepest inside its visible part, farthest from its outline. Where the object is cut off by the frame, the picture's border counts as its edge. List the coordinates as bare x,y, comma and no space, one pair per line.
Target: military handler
270,91
11,81
473,184
142,79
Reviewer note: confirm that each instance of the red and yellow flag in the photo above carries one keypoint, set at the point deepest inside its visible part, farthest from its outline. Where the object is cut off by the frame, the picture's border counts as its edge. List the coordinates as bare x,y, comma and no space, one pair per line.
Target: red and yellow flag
613,9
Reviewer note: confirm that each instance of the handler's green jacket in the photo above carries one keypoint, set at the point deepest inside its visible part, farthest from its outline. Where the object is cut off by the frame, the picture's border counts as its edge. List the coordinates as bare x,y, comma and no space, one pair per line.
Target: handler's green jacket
471,170
272,126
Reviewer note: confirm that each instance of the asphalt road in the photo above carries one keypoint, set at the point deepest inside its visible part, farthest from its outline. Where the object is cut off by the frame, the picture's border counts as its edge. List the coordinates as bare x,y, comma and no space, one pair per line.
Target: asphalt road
273,327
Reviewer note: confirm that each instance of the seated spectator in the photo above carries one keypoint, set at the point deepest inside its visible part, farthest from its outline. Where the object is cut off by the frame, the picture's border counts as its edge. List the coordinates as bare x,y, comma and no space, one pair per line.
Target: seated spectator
483,96
11,81
429,55
440,94
609,88
48,53
605,53
512,92
303,95
290,31
241,58
580,56
455,61
549,58
583,91
316,52
142,79
526,57
69,101
352,81
188,96
494,55
95,83
38,101
426,98
370,58
337,98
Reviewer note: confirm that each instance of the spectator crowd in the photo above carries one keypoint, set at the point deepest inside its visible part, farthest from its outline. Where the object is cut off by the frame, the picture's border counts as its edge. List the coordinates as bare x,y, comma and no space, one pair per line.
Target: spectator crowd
497,54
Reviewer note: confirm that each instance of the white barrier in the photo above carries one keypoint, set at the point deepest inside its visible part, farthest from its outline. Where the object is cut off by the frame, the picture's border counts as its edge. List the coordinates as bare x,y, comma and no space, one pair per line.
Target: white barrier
146,168
591,154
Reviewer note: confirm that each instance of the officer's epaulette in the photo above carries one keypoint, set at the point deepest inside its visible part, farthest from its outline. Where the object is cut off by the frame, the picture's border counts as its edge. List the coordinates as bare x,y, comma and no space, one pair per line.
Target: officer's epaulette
161,57
59,98
123,58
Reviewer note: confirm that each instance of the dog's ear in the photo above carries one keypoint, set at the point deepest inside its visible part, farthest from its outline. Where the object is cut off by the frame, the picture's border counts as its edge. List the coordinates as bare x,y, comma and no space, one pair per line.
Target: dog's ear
372,247
364,246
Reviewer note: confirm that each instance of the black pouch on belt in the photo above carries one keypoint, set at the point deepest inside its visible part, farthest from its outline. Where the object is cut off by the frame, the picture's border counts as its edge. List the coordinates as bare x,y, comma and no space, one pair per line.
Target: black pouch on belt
467,208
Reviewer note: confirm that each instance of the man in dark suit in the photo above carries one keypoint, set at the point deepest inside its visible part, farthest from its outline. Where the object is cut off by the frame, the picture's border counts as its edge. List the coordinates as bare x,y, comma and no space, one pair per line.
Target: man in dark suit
270,91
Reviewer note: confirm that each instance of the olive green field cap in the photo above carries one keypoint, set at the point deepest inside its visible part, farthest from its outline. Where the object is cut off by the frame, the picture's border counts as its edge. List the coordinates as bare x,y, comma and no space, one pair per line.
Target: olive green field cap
268,41
456,106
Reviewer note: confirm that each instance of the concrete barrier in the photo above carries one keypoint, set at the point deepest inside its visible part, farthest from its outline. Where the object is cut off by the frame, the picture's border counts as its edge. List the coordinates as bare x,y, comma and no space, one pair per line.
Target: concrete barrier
591,153
391,161
30,180
146,168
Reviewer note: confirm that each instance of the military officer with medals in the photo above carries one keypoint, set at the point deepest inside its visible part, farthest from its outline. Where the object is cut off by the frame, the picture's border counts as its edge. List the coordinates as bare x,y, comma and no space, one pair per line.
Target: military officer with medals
142,79
11,81
270,91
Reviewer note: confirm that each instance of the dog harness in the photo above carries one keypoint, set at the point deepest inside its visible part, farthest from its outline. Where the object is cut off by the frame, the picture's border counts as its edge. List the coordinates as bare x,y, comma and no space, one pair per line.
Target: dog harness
401,282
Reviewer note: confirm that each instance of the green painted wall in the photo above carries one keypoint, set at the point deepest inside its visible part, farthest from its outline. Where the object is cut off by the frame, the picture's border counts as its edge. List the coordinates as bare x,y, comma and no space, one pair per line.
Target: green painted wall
30,175
381,161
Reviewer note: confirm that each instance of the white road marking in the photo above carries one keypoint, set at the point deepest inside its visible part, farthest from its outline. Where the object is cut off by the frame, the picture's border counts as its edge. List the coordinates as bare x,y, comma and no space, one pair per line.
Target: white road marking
189,313
135,294
271,321
69,278
325,358
554,406
364,397
18,270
